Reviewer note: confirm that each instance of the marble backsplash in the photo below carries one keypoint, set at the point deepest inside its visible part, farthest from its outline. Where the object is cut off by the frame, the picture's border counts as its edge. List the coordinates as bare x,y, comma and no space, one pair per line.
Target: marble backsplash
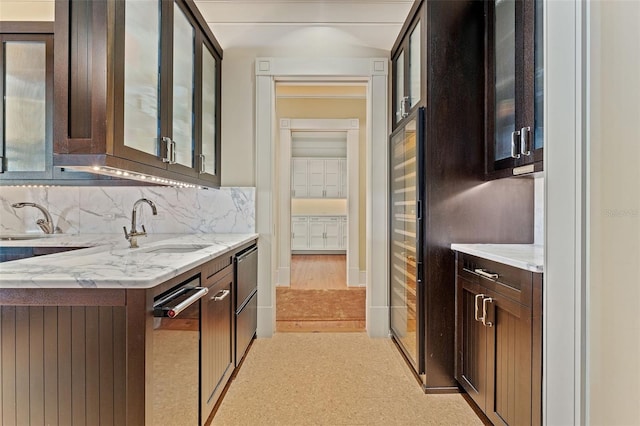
105,210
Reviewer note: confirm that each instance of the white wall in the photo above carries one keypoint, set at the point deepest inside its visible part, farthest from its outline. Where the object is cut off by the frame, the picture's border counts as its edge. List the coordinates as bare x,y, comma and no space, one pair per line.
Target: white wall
614,299
27,10
238,101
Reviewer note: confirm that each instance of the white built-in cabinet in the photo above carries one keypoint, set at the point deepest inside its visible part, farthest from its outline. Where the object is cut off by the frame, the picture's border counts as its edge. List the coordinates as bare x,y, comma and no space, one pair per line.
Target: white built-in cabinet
318,177
319,233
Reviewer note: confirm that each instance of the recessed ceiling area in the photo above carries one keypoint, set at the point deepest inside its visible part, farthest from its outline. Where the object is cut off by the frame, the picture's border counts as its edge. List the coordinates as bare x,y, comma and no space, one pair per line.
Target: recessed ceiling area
255,23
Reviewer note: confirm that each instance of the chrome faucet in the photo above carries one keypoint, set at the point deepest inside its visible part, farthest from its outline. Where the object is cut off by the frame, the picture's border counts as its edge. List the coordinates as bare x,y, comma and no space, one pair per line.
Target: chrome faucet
132,236
45,224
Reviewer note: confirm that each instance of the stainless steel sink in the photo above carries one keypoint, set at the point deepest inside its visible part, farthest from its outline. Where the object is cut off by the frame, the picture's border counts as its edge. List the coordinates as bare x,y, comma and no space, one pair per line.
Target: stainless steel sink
8,254
18,237
175,248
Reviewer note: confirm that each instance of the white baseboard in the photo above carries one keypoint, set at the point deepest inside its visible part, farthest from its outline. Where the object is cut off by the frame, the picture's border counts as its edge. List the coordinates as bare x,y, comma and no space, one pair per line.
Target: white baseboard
363,278
284,277
353,278
266,321
378,321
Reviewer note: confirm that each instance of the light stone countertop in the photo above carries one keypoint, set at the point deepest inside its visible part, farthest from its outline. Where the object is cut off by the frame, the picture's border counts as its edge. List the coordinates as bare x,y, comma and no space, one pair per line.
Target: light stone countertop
108,262
524,256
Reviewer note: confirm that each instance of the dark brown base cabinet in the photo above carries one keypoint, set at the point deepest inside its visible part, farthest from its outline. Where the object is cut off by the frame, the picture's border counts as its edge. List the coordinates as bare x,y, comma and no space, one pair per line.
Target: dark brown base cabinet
84,356
498,340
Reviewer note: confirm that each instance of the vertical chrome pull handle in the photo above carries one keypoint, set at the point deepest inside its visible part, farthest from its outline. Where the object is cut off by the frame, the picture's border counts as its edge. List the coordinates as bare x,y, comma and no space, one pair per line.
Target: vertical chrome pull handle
525,141
201,168
485,302
173,152
166,148
477,308
515,144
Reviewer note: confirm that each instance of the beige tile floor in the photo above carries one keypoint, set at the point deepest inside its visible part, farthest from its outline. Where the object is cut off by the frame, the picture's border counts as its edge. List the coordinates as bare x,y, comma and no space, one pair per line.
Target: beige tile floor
333,379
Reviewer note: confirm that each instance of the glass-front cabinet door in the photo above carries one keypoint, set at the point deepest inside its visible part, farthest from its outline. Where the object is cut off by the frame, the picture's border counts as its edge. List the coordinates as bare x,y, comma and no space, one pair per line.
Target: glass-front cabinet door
407,71
142,79
26,67
515,77
183,89
210,140
407,317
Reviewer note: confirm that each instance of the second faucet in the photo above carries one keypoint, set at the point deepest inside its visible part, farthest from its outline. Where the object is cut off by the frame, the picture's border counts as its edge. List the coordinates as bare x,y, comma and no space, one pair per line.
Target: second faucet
132,236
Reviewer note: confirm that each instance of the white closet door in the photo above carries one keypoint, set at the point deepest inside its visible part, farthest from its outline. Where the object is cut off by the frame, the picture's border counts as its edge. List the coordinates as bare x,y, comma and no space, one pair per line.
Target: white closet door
316,178
316,233
332,233
299,233
299,172
332,178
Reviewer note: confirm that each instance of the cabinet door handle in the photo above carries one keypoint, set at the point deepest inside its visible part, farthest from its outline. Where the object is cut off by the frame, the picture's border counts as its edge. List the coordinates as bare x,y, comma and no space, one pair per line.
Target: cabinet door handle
477,308
221,295
485,302
487,274
202,166
173,152
515,144
166,147
525,141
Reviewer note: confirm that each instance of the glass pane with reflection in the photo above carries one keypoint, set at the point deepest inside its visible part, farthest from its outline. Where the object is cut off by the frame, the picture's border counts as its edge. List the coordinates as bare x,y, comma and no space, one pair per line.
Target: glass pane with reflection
183,87
209,111
25,106
505,76
414,66
141,75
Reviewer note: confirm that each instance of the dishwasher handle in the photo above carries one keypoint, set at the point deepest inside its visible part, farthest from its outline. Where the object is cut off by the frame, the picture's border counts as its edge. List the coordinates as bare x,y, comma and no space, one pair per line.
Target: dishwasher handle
172,311
242,256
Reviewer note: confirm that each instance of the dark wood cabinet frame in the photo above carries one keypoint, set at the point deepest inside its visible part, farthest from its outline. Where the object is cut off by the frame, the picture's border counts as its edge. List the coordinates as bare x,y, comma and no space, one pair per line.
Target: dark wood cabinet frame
89,89
524,90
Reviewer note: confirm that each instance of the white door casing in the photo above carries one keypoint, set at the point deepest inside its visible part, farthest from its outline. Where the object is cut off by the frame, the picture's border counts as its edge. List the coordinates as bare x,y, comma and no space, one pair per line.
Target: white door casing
374,71
324,182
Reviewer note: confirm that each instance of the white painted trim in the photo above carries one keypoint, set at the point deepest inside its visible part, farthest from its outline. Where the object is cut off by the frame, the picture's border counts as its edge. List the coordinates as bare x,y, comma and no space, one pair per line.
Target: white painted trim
565,184
353,277
351,126
284,277
373,71
363,278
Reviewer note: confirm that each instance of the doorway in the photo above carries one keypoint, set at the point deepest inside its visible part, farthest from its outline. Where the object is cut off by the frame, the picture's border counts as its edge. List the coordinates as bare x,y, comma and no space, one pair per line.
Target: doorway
320,205
374,72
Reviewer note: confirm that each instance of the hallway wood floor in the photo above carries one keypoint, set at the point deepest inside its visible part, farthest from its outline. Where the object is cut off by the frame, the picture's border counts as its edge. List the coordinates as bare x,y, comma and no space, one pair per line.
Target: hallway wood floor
318,298
333,379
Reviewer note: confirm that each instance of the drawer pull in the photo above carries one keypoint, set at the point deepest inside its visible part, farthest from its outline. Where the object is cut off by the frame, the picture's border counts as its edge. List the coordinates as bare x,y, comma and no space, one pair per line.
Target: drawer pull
486,274
485,302
221,295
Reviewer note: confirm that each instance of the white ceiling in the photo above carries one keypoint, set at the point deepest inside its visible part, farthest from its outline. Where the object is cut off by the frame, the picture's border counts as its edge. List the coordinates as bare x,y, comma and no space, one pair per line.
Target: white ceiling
261,23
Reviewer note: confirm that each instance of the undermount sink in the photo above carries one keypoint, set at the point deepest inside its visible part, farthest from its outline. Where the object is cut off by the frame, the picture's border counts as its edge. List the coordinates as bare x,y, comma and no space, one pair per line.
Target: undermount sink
18,237
175,248
8,254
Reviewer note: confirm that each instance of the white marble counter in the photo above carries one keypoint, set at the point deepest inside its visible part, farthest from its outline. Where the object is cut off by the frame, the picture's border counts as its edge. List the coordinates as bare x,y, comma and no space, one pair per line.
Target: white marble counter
524,256
109,262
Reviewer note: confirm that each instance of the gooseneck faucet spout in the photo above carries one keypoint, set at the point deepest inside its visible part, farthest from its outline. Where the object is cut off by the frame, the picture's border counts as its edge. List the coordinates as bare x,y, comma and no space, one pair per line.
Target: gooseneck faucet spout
132,236
45,224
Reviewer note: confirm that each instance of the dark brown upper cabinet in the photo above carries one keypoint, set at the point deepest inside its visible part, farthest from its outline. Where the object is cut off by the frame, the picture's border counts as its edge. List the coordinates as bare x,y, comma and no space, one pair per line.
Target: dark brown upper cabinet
514,92
408,67
137,89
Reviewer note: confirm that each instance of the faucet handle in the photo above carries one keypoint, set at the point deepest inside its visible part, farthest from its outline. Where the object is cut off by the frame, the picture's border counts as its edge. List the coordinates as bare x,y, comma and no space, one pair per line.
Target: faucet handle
144,231
126,234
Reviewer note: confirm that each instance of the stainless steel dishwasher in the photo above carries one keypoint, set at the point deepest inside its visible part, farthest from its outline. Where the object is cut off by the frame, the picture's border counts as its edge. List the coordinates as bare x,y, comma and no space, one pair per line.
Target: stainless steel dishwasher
246,297
176,354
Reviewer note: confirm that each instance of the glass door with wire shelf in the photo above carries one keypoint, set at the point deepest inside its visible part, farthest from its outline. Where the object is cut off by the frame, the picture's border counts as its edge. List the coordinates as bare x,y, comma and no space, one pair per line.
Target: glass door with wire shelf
407,319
